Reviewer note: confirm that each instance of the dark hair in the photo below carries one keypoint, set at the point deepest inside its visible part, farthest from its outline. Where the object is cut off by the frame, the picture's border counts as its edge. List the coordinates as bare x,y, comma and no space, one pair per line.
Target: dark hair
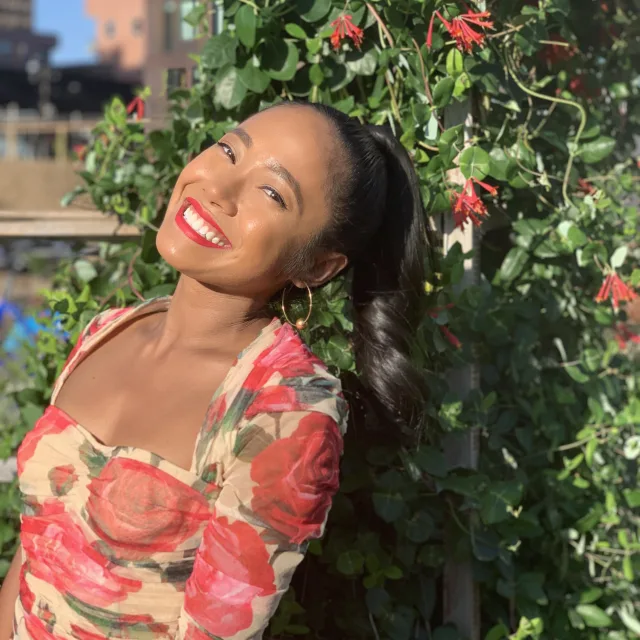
379,223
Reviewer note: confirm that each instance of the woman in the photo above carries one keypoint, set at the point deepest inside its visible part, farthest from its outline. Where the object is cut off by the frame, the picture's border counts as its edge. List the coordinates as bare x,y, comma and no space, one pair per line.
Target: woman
142,520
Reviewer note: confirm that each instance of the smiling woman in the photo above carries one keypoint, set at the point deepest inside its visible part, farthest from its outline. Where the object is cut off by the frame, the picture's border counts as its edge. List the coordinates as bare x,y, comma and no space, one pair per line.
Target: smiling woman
192,445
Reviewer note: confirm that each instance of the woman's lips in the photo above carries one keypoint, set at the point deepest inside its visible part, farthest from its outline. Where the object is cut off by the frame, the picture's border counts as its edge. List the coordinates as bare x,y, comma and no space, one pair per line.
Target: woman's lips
198,225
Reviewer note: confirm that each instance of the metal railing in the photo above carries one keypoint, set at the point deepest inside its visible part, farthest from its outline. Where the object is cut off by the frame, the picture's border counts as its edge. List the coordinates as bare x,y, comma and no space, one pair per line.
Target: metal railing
34,138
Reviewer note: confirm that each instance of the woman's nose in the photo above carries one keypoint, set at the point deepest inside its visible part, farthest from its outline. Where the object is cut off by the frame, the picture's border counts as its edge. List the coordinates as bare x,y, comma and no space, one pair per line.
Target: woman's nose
218,189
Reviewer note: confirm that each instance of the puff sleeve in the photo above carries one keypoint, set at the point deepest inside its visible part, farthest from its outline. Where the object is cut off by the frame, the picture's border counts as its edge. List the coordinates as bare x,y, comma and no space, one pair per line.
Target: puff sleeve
279,475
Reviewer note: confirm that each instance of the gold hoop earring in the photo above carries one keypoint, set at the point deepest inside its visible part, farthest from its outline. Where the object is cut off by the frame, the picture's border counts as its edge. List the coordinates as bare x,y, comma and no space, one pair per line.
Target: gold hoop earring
300,323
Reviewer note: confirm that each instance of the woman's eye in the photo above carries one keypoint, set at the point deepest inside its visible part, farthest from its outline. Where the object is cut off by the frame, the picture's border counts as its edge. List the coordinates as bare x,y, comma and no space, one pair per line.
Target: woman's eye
228,151
274,195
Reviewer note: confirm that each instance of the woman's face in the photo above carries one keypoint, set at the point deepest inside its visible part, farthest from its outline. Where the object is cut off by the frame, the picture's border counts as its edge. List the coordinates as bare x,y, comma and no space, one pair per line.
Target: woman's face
243,207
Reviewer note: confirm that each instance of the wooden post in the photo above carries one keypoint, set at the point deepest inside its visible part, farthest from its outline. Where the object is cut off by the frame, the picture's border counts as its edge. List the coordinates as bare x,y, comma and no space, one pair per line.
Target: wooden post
11,134
461,598
61,133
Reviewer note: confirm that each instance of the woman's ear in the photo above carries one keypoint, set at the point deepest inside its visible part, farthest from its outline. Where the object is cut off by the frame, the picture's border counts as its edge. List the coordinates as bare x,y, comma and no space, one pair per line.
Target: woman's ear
327,265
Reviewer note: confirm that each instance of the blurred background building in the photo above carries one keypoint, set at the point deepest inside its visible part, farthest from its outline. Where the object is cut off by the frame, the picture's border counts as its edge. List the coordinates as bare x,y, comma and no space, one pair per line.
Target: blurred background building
18,43
50,102
121,34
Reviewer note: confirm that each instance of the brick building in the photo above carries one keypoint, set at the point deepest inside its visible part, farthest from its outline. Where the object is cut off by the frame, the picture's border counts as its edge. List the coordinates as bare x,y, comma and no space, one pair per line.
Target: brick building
170,42
18,43
121,33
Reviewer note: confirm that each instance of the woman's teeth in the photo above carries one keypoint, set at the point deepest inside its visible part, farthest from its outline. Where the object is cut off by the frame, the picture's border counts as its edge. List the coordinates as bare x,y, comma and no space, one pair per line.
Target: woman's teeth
201,227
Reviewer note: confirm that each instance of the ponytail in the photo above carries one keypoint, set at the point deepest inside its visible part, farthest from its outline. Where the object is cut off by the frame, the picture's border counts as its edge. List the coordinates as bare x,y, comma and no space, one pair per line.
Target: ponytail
388,286
379,223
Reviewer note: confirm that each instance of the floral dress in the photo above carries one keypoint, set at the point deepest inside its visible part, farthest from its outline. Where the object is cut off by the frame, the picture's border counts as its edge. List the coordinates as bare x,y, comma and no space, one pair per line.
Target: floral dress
118,542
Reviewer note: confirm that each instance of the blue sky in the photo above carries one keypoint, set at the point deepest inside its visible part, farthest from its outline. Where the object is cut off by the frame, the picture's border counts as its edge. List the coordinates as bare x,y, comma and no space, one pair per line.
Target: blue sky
66,20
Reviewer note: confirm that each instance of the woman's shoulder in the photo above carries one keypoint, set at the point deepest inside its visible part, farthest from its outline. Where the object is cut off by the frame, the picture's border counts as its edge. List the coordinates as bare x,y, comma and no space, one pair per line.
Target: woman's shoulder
288,376
110,316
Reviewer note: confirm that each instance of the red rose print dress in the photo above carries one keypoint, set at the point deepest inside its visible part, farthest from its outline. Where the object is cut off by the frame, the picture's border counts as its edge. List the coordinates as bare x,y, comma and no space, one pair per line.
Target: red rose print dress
118,542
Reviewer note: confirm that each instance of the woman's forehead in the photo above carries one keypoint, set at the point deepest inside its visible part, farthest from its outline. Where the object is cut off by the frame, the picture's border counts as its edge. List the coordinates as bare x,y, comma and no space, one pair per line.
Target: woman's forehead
298,138
292,129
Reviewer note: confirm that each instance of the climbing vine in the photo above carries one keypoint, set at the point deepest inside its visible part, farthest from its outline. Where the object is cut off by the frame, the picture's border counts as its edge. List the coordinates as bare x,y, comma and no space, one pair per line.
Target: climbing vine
549,182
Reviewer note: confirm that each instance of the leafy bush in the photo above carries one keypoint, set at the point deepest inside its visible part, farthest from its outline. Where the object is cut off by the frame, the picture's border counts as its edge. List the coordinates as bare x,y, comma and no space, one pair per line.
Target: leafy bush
550,519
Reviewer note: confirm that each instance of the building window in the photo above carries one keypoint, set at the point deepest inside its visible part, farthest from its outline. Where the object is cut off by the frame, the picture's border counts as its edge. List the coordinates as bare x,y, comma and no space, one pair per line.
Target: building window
6,47
176,79
109,28
169,22
195,75
137,26
187,32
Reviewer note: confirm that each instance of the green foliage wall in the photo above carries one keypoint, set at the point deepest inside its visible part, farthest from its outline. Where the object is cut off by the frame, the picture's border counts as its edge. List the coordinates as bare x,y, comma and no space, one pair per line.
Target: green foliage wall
550,520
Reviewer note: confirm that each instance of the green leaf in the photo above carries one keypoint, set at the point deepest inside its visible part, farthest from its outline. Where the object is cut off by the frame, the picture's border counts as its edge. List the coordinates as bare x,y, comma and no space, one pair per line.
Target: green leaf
454,64
246,23
315,74
30,413
630,621
280,59
295,31
230,90
69,197
591,519
313,10
431,461
219,51
574,236
393,572
496,500
443,92
632,496
513,264
389,506
446,632
363,64
474,162
590,595
497,632
254,78
618,257
593,616
577,374
420,527
500,166
339,353
85,270
350,563
376,599
627,568
597,150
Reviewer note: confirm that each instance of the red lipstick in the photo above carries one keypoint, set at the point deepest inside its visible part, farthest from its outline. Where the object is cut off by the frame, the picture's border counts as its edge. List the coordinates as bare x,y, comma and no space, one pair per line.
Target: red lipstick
190,219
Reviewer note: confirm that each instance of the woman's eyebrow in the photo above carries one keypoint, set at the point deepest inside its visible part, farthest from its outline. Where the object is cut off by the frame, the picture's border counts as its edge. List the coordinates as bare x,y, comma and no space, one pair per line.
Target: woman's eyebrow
245,138
272,165
282,172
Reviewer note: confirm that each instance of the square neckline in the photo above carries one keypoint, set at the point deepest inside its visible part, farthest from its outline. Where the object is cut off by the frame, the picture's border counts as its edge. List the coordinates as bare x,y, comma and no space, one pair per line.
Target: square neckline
147,307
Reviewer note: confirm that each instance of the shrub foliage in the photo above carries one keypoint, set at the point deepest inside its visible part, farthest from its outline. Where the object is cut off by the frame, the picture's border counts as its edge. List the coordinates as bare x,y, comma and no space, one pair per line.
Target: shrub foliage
550,519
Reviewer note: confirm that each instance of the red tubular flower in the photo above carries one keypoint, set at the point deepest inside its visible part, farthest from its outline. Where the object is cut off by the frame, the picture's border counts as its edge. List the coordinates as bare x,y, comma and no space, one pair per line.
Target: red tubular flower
586,187
137,106
466,205
80,150
450,337
342,27
552,54
615,287
581,88
461,31
446,332
624,335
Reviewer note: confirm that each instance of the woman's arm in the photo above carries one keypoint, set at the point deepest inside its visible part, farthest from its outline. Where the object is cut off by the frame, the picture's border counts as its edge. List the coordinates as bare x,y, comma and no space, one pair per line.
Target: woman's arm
9,595
278,481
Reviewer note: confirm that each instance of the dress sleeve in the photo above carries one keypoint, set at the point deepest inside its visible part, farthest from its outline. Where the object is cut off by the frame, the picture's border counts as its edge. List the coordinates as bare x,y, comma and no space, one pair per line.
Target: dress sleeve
278,480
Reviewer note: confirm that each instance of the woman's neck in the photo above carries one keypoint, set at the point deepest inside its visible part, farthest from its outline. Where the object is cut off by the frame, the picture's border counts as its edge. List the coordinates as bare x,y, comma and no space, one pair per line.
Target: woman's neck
200,318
